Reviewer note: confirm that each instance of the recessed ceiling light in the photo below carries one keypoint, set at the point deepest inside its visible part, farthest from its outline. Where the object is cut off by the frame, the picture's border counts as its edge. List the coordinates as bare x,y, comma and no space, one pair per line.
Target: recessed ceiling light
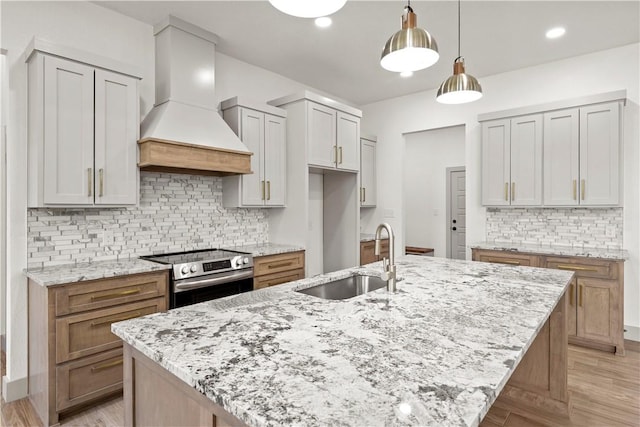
556,32
406,74
323,22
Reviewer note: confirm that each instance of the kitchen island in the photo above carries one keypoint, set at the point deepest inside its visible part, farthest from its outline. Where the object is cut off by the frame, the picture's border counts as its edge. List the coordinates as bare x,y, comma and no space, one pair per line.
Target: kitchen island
437,352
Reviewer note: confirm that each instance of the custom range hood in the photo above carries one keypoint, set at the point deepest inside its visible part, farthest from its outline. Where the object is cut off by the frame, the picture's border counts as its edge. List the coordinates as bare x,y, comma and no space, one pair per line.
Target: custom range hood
183,132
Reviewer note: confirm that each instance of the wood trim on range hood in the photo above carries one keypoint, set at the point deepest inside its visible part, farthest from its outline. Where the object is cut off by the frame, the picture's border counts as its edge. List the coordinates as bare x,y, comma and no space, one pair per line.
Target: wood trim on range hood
177,157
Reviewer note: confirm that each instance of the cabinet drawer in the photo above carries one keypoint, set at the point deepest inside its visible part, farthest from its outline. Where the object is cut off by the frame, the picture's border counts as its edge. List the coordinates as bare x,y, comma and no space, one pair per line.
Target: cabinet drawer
89,333
88,378
76,298
509,258
277,278
278,263
584,267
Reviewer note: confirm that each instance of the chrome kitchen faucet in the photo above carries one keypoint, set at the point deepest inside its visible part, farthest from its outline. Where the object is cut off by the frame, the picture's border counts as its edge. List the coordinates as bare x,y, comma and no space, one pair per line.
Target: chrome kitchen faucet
388,265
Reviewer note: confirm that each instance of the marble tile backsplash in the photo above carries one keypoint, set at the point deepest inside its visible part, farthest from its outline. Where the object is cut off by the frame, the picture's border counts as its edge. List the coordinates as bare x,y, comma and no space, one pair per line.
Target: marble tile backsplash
176,213
576,227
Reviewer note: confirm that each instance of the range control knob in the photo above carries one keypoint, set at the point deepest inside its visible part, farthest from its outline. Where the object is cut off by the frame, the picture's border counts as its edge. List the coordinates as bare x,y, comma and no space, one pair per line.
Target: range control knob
194,268
185,269
245,260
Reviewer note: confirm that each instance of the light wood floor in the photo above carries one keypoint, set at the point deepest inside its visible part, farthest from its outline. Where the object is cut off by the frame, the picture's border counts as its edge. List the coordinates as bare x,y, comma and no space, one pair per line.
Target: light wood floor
604,389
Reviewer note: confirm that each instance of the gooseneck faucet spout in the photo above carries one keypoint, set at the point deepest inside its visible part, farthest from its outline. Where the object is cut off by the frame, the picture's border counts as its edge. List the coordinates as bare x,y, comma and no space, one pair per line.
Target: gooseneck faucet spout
388,265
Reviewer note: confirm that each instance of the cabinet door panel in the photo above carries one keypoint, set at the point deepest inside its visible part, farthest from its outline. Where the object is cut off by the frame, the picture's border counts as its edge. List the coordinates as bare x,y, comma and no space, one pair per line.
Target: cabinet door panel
116,135
368,173
496,154
599,154
275,160
68,132
561,158
348,141
597,307
321,135
252,134
526,161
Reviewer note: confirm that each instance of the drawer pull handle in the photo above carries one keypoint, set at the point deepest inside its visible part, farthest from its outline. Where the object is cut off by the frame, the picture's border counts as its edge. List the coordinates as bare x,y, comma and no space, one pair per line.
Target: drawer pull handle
115,295
117,319
571,294
580,295
505,261
282,264
107,365
576,268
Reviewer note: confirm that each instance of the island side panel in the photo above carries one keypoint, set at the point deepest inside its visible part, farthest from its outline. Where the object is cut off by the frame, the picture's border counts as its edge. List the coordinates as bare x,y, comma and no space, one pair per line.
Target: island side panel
540,380
154,397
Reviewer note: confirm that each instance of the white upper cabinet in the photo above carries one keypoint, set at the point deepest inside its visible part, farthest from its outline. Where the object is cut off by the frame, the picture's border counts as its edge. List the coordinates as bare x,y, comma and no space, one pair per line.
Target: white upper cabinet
582,156
262,129
512,161
83,126
368,176
334,138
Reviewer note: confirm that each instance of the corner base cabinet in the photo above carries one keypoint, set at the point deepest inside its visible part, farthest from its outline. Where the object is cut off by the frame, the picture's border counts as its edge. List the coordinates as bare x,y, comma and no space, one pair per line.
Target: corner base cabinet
594,299
74,359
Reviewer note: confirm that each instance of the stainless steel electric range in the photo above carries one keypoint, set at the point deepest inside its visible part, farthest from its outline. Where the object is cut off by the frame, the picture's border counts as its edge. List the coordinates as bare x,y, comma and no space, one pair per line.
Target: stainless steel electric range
203,275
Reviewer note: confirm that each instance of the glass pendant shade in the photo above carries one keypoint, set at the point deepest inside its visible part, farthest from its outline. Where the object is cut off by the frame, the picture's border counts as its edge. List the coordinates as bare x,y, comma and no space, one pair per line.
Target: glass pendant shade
411,48
308,8
460,87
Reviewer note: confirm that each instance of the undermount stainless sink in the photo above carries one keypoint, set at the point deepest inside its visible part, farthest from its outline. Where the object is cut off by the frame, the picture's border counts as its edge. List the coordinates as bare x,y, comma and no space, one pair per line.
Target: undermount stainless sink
348,287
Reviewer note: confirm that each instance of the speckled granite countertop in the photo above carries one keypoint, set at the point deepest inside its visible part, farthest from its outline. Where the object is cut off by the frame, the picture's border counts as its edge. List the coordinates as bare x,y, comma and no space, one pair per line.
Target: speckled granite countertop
71,273
265,249
437,352
604,253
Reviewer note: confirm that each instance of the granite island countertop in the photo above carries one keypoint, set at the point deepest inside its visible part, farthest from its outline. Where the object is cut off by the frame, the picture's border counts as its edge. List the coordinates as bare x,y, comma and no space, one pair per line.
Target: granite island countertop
562,250
437,352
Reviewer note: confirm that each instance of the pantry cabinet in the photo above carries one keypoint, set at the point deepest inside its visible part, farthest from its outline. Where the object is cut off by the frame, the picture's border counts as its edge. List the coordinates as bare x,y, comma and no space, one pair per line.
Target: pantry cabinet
82,133
263,130
582,156
512,161
334,138
368,174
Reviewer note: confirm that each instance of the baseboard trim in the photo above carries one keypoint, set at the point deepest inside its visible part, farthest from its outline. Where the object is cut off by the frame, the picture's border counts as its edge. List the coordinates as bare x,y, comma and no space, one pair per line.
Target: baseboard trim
631,333
14,390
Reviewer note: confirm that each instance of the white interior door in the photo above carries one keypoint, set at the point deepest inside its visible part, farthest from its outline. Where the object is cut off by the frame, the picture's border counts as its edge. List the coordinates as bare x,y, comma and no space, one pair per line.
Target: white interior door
457,214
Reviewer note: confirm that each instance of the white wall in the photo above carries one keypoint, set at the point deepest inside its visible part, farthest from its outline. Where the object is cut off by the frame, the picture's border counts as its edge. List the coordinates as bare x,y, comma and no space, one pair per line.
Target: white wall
86,26
605,71
428,155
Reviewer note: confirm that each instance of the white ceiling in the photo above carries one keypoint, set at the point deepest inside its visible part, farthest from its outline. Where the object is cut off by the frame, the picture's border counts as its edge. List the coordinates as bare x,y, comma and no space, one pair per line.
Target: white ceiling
343,60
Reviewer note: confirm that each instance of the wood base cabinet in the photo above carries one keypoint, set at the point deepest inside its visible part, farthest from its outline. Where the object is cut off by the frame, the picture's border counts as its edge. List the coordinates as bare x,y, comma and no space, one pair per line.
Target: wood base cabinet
368,251
274,270
74,359
595,296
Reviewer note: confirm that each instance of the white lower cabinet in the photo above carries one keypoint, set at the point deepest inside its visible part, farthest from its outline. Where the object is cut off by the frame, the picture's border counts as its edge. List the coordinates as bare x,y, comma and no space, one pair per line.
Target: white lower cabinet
263,130
368,176
83,128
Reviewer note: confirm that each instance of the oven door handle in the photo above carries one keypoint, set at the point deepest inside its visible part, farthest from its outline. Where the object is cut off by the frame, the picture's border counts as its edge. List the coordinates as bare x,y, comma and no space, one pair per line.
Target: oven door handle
185,285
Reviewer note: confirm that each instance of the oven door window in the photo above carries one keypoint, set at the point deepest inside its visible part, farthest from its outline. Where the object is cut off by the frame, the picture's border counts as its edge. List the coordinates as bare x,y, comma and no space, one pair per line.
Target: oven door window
209,293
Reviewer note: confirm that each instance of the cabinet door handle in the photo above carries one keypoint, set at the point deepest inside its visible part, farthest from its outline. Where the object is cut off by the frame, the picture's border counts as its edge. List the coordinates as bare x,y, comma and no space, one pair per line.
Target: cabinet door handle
364,194
117,319
361,199
340,151
268,190
106,365
506,191
101,173
90,180
583,185
115,295
505,261
513,191
571,294
580,295
575,189
335,154
576,268
262,184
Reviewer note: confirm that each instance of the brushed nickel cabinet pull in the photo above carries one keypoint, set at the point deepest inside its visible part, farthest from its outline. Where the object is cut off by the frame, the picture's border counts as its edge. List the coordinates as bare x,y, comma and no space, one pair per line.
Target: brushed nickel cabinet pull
571,294
576,268
268,190
505,261
340,151
506,191
90,180
115,295
583,185
101,173
335,154
513,191
575,189
580,295
117,319
106,365
282,264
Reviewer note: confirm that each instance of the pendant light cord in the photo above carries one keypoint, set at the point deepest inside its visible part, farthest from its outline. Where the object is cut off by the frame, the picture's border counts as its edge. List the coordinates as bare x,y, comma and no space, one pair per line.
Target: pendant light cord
458,31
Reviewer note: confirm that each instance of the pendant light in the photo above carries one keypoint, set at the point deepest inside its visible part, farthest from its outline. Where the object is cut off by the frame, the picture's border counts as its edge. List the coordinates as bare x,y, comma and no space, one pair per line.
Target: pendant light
411,48
308,8
460,87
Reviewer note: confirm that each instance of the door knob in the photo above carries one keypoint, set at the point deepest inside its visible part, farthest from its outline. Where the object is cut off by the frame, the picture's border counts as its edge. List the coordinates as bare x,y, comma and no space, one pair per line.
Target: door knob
454,221
453,228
